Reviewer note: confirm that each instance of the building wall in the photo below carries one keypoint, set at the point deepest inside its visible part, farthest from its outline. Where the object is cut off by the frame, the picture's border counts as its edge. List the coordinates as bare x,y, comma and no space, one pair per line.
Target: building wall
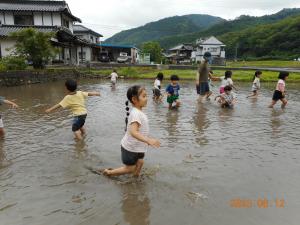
6,43
87,51
56,19
9,18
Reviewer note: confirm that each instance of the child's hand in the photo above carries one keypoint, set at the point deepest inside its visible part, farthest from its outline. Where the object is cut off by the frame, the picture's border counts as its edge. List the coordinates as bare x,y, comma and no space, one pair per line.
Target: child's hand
47,110
153,142
14,106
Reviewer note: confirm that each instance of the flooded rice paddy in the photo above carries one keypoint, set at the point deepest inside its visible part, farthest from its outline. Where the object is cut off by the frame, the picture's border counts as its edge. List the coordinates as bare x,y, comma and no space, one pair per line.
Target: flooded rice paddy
215,166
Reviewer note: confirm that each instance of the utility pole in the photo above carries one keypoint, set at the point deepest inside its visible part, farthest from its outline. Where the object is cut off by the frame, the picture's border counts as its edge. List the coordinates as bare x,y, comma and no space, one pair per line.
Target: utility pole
236,52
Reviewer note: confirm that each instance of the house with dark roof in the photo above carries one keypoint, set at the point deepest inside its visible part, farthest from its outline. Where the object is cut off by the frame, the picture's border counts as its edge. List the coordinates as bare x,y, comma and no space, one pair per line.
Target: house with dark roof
212,45
45,16
87,53
180,54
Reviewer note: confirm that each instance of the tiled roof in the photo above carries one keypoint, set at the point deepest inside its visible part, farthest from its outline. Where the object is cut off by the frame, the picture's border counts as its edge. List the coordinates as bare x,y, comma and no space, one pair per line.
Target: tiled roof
79,29
211,41
182,47
37,6
5,30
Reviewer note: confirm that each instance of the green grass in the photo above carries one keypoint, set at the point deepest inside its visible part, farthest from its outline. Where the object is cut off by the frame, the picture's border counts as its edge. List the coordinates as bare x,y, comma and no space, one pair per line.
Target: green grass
150,73
271,63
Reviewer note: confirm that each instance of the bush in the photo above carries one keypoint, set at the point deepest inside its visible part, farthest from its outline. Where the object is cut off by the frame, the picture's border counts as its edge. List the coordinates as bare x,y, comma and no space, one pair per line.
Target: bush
13,63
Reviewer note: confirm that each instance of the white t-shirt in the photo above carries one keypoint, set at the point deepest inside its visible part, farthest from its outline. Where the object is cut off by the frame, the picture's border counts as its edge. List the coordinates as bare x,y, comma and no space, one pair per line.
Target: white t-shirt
113,77
256,84
130,143
157,84
280,85
226,82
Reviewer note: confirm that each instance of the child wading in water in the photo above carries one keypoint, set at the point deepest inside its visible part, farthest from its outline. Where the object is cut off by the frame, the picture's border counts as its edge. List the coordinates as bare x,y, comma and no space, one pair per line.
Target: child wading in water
227,99
75,101
113,78
279,93
157,96
13,105
135,143
225,81
173,92
255,85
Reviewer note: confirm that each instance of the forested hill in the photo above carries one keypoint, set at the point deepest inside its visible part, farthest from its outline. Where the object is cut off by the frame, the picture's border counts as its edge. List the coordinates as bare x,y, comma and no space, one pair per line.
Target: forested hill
164,28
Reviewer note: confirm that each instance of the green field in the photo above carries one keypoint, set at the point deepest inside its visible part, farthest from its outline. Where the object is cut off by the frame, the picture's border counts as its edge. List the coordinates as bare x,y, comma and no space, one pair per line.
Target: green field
150,73
274,63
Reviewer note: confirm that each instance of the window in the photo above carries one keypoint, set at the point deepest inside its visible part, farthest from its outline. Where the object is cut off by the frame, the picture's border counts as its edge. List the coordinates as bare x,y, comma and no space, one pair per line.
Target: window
23,19
92,38
214,49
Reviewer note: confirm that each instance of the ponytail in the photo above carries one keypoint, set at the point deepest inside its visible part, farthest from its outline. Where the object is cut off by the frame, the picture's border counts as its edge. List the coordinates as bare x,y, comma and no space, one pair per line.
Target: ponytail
127,114
133,91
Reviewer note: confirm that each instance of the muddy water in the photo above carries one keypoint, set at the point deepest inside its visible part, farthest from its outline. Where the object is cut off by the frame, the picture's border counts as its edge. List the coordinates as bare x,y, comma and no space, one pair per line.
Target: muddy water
215,166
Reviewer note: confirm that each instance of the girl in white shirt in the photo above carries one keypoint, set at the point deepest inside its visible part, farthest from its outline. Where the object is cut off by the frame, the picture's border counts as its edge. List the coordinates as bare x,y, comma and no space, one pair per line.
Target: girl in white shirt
279,93
255,84
157,96
135,143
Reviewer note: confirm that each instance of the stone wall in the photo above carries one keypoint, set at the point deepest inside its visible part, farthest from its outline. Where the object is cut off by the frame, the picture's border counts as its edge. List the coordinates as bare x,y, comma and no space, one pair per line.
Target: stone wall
16,78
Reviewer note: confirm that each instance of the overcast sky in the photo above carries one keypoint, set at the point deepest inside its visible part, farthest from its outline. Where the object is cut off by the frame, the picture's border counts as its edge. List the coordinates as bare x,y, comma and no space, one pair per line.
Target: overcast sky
108,17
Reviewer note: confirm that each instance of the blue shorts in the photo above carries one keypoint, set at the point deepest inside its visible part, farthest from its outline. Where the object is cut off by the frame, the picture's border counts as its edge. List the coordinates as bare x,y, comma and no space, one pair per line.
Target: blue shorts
203,88
131,158
78,122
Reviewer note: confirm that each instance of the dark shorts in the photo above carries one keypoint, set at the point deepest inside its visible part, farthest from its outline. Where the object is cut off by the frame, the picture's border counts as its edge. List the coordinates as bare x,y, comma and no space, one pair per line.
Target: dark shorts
203,88
277,95
156,92
172,98
130,158
78,122
198,89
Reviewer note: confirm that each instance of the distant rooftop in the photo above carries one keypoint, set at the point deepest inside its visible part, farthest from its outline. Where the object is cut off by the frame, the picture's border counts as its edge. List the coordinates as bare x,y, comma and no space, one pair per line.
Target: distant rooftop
210,41
37,6
116,45
80,29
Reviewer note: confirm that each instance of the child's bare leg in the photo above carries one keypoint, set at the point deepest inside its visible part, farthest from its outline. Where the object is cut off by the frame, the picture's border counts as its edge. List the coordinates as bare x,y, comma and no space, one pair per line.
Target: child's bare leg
178,104
138,168
78,135
119,171
284,103
2,132
83,130
272,104
208,94
170,105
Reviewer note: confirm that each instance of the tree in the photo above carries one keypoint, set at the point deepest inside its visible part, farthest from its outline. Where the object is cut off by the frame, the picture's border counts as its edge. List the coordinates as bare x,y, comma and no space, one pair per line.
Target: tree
154,49
35,46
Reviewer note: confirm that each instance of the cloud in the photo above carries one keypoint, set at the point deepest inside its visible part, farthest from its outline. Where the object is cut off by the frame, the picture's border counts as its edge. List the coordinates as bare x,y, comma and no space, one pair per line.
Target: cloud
113,16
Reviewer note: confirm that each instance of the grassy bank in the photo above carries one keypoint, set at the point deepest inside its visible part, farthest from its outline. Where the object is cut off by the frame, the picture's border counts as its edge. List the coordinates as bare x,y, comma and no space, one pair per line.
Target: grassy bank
149,73
271,63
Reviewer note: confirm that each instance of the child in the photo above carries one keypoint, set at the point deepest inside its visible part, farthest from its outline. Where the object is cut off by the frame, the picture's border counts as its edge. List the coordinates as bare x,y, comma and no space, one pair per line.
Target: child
75,101
13,105
227,99
157,96
135,143
113,77
256,84
226,81
173,92
279,93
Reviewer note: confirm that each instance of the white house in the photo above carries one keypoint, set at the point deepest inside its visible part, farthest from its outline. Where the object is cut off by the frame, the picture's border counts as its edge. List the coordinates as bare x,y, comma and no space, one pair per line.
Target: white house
87,53
45,16
212,45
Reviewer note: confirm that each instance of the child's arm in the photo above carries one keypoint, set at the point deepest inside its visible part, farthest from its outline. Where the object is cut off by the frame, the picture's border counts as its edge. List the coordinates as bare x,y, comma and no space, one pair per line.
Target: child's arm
234,87
94,93
53,108
14,105
134,131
